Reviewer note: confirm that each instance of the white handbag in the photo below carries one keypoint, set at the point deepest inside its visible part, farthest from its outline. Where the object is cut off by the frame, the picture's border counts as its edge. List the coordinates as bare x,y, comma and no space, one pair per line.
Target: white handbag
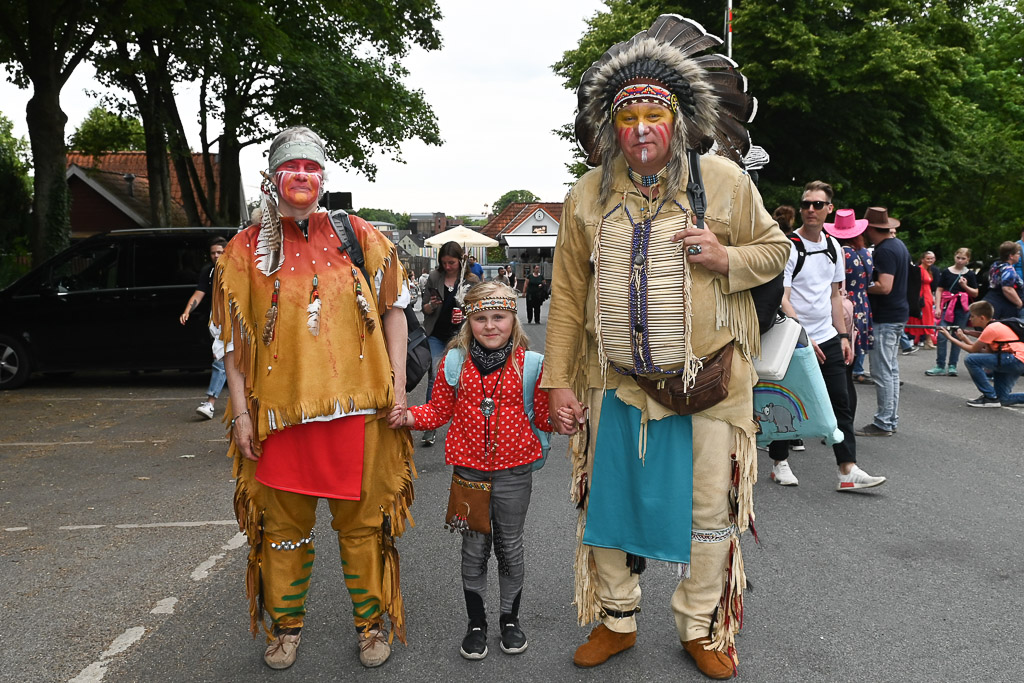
777,345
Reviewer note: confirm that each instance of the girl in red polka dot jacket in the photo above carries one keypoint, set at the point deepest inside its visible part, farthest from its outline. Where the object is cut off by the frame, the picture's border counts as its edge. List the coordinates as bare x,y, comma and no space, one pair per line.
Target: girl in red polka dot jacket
490,440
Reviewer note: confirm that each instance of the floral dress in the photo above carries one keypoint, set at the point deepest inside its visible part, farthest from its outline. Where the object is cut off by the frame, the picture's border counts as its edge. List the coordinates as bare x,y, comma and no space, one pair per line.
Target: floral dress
859,267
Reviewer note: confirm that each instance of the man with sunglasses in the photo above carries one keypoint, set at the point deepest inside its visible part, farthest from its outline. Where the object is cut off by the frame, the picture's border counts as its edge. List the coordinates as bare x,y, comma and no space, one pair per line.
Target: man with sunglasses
812,296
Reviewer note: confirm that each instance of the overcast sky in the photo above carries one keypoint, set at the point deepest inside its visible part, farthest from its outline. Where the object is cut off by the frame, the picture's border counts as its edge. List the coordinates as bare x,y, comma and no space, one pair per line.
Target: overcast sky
491,87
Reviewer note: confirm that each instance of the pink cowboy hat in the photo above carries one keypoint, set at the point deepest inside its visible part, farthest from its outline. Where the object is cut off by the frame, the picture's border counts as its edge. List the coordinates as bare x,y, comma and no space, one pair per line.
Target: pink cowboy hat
847,225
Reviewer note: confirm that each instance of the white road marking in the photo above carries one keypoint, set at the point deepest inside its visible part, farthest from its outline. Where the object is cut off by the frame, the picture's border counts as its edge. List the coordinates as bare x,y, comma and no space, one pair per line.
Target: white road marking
81,526
47,443
159,525
16,528
203,570
98,669
165,606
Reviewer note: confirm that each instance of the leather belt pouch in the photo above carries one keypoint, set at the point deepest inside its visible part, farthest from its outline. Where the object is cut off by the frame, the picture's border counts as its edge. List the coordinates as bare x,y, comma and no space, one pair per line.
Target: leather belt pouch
469,506
710,387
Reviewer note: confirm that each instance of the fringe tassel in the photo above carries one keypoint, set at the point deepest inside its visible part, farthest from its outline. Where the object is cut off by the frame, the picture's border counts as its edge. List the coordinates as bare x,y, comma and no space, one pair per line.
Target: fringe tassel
588,605
250,521
744,478
736,311
730,607
391,591
313,319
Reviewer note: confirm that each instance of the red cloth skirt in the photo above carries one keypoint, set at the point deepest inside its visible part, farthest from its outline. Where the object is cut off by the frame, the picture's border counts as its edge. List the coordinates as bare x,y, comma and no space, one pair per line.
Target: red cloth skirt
323,459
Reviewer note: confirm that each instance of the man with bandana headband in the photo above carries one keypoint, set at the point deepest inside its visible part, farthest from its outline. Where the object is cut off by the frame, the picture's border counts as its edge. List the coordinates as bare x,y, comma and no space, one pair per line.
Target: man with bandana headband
645,294
316,345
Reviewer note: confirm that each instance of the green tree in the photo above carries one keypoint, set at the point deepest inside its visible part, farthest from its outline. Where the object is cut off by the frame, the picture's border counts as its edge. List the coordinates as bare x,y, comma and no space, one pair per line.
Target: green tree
399,220
15,201
513,196
106,131
334,65
41,43
910,104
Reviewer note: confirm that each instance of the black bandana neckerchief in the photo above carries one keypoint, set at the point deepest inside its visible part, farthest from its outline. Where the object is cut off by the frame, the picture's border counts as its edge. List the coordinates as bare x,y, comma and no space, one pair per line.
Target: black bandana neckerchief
487,361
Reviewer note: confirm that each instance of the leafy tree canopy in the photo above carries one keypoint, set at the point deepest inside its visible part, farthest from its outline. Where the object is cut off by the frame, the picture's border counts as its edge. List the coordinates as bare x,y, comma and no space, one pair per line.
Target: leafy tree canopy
16,199
911,104
400,220
511,197
106,131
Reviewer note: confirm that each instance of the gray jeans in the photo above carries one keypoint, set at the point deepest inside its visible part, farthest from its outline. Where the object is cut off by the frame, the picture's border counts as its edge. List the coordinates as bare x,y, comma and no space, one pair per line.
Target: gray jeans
510,499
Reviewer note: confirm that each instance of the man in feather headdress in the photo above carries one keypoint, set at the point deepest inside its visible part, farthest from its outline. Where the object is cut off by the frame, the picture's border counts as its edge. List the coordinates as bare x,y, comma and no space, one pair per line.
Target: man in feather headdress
644,295
311,314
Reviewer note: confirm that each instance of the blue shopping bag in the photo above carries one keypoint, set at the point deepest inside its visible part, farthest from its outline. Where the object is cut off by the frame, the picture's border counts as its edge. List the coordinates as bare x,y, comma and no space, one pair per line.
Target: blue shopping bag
797,406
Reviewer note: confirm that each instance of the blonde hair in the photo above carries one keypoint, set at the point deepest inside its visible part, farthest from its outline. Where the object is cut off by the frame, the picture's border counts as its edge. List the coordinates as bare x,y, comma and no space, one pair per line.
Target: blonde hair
963,251
490,290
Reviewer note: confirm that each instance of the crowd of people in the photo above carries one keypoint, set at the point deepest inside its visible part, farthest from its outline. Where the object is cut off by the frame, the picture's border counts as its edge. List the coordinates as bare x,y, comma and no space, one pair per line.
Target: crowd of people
939,305
648,368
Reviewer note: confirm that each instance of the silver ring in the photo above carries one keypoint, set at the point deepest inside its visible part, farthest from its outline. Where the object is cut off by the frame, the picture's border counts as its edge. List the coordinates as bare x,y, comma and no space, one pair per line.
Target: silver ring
693,250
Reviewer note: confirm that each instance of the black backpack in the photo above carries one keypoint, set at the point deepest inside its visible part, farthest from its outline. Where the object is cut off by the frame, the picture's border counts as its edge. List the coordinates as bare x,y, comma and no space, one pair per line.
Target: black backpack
1016,326
768,296
417,357
802,253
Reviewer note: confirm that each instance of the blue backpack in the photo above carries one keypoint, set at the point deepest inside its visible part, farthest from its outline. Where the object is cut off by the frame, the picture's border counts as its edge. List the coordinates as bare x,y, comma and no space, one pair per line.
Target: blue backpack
531,371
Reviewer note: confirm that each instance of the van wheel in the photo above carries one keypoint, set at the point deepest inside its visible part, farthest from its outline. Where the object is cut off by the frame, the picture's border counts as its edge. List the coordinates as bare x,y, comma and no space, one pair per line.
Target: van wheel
14,368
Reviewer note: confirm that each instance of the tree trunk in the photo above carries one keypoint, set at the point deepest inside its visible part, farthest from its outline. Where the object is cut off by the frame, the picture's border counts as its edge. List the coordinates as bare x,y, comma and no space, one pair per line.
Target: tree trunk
229,201
51,221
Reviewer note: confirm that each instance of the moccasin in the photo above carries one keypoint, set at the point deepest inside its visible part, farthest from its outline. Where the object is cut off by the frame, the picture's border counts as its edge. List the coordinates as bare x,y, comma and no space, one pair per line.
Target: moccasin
602,644
712,663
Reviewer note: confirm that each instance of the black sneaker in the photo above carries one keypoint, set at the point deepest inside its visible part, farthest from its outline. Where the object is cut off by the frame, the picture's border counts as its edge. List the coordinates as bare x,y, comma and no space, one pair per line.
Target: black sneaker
474,645
428,437
513,640
797,445
984,401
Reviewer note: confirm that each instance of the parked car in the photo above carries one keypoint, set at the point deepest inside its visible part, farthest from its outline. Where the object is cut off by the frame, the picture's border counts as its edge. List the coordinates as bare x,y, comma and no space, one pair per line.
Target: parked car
109,302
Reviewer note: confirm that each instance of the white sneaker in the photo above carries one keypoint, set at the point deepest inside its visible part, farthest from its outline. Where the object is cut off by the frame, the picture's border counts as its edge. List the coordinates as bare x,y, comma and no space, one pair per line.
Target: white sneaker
783,474
206,410
857,479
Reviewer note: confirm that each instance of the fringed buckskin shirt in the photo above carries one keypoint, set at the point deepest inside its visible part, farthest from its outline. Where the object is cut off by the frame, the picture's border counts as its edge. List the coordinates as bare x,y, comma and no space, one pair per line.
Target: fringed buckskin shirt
299,376
722,308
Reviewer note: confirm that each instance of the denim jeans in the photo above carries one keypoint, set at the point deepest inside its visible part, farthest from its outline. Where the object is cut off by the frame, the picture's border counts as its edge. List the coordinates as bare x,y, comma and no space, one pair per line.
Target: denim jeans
436,352
858,362
1005,370
217,379
885,371
960,320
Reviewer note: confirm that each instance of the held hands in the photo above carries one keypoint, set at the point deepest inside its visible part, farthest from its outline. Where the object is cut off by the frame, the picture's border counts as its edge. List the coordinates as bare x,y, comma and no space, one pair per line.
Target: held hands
568,412
400,416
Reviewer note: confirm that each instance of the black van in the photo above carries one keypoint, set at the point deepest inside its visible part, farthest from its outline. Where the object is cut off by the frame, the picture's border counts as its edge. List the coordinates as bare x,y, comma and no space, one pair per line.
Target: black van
109,302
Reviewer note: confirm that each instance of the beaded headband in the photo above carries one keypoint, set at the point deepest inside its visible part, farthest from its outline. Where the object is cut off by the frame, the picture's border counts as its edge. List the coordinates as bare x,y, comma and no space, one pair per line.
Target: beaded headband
644,92
498,303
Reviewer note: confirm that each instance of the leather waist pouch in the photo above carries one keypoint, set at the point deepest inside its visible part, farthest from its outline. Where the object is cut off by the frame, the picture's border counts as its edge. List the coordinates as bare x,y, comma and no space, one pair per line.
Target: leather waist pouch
469,506
710,388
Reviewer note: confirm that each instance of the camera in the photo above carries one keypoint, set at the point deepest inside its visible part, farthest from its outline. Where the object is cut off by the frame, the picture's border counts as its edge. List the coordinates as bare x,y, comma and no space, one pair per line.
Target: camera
953,329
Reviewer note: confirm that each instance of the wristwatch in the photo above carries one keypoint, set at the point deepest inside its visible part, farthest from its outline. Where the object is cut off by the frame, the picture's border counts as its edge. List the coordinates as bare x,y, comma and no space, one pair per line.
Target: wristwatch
844,335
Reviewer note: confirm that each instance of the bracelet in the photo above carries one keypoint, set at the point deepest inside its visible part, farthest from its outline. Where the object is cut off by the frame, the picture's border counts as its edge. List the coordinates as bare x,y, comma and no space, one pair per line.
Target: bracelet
844,335
244,412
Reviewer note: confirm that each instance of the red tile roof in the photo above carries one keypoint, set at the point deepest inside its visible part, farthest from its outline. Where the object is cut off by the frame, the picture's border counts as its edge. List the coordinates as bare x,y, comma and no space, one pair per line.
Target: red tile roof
120,163
516,213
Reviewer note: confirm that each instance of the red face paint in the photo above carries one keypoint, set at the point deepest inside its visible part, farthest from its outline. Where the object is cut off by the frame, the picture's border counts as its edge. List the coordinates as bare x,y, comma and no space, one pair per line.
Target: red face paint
644,131
298,182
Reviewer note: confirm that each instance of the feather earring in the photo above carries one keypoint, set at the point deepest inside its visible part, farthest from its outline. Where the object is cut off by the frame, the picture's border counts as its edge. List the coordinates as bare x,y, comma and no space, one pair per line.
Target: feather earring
270,323
313,309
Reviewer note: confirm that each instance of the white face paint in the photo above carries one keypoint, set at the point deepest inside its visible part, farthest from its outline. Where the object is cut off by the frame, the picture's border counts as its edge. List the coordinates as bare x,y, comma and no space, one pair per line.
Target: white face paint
641,133
643,155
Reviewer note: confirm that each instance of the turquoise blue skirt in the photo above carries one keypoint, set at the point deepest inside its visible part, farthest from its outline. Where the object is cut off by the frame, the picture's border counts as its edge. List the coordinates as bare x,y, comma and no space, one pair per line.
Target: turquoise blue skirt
642,507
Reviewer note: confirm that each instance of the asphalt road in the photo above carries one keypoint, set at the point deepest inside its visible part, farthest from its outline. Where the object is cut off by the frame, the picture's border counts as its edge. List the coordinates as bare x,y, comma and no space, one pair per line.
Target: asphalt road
121,560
